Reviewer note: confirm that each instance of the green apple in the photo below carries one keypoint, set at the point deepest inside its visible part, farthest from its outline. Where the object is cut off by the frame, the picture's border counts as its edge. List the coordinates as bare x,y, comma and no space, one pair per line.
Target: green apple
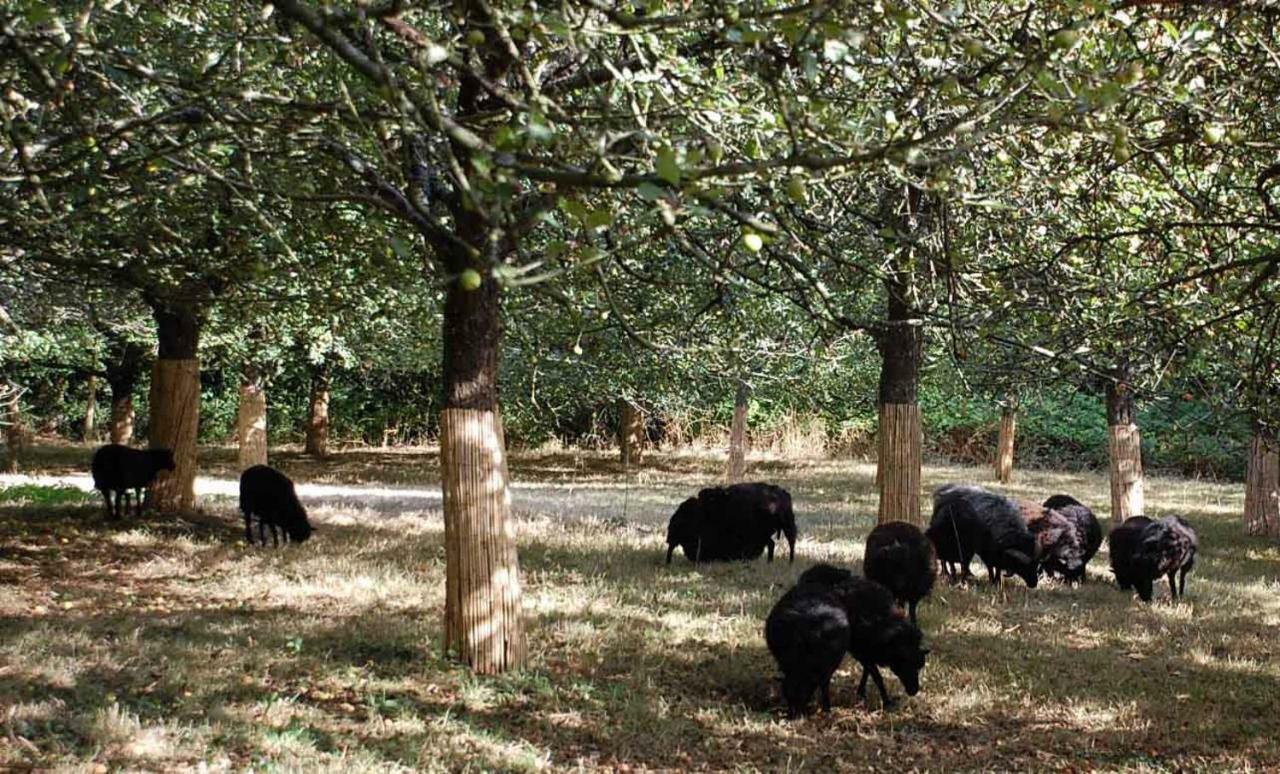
469,279
1212,133
752,241
1065,39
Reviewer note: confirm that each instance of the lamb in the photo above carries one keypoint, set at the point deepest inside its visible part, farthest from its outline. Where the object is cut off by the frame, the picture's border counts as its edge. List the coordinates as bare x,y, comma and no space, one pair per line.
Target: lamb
1147,551
1086,525
900,557
737,522
118,469
969,520
808,634
268,494
1060,545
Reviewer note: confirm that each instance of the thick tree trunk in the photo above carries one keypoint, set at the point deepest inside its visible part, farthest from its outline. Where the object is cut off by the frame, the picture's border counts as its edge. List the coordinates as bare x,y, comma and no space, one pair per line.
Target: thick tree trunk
900,438
89,430
737,467
1004,446
317,440
175,406
1262,484
121,417
251,420
484,624
1125,446
12,426
631,435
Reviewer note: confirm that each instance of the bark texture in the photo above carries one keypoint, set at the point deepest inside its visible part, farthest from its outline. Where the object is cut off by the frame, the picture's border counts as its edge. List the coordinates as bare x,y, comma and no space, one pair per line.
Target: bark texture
1005,444
737,466
631,433
175,405
89,429
251,420
901,443
13,431
317,434
1125,447
1262,485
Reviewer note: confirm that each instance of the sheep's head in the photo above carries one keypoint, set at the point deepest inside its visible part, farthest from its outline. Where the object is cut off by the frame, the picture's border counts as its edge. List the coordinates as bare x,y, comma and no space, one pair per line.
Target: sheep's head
901,643
684,524
825,574
1022,565
786,520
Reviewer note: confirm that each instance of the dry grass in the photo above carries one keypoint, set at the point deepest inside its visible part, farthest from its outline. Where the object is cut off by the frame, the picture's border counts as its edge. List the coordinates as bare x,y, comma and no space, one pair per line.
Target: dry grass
168,645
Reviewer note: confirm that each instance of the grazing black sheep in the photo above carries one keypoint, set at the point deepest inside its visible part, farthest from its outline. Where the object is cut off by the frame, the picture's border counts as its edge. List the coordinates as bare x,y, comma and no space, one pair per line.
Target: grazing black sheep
119,469
732,523
1147,551
268,494
880,635
808,634
1060,545
1086,524
969,520
899,557
826,575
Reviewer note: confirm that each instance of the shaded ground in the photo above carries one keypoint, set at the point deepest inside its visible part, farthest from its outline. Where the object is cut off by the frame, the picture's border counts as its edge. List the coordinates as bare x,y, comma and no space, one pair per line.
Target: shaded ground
167,643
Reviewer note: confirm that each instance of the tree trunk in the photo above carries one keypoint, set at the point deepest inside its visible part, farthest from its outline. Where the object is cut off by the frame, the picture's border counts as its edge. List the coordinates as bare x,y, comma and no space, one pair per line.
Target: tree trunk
900,438
1004,446
317,441
13,426
738,436
484,626
631,435
88,430
121,416
1262,484
175,406
251,420
1125,446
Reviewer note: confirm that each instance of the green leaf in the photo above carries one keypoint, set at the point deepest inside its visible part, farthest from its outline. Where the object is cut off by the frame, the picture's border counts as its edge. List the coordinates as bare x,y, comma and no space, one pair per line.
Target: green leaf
668,168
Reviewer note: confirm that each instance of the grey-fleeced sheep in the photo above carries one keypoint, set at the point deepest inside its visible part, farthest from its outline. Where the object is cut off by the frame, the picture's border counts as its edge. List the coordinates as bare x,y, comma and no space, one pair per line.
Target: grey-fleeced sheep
1086,525
968,521
120,469
1142,552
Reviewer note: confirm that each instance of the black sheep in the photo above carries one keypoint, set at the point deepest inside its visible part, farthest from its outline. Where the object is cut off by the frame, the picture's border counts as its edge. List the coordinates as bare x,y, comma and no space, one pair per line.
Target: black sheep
1060,545
808,634
737,522
969,520
1121,543
119,469
880,635
1086,524
1165,547
900,557
268,494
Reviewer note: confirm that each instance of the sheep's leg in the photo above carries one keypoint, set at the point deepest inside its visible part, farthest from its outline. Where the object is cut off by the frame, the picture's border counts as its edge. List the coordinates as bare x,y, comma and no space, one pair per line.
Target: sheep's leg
826,694
137,502
911,610
106,495
769,546
884,694
123,498
275,536
262,531
671,549
1182,581
248,527
1173,584
862,684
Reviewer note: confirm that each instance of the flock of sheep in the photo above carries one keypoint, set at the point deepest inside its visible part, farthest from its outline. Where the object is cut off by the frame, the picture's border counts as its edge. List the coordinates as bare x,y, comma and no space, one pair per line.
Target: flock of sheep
831,612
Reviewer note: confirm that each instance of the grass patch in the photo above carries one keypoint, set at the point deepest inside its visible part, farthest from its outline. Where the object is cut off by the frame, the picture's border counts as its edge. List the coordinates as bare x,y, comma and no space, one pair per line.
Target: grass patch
40,494
164,644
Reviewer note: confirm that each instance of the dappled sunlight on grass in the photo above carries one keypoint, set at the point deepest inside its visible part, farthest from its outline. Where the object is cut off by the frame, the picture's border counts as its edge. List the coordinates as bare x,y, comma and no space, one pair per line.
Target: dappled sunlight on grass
166,642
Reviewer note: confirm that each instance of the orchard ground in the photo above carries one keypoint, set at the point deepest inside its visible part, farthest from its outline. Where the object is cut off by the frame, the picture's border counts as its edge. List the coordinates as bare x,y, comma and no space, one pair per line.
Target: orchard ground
167,643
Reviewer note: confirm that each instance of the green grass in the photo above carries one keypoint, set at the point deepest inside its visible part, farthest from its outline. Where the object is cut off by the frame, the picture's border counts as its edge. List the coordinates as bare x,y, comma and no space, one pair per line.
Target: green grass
39,494
167,643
